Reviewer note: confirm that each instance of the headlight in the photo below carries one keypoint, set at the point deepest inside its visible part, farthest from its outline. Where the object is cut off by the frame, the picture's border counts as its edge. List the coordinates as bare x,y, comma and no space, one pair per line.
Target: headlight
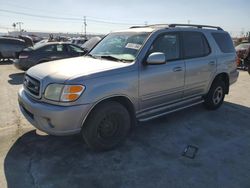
64,93
53,92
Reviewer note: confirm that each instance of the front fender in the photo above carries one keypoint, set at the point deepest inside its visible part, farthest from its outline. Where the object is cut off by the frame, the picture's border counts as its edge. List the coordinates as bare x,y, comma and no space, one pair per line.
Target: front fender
100,88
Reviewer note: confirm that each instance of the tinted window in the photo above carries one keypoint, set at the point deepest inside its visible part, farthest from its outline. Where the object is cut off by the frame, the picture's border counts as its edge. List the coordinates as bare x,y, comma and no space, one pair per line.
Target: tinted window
167,44
72,48
53,48
49,48
224,42
195,45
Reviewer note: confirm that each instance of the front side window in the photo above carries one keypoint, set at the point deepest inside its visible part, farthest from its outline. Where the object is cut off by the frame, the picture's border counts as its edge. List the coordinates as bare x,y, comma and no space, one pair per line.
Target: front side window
195,45
167,44
120,46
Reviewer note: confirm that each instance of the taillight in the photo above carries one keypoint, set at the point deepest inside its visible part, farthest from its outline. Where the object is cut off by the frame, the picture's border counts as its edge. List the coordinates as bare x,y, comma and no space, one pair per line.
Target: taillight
238,61
23,56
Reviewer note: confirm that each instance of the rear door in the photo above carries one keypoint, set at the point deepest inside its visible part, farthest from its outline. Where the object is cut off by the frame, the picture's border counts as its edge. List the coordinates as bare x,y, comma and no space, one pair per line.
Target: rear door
52,52
200,62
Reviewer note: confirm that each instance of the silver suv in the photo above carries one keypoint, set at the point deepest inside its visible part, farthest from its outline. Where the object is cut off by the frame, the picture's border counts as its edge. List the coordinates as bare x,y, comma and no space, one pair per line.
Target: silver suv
131,75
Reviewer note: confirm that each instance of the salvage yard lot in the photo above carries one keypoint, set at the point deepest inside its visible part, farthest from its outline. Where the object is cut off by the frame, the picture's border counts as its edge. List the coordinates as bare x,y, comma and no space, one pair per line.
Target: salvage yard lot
151,156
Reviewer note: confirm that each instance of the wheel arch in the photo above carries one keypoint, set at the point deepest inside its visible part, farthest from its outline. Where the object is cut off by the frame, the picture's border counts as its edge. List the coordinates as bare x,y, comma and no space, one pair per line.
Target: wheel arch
224,77
123,100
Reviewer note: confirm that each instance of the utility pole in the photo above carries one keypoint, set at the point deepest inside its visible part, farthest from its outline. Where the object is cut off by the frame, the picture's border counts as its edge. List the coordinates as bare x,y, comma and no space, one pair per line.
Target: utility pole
189,21
85,26
20,26
14,26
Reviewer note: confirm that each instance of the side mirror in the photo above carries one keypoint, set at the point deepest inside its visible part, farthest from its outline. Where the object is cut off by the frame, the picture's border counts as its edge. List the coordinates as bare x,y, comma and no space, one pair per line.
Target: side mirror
156,58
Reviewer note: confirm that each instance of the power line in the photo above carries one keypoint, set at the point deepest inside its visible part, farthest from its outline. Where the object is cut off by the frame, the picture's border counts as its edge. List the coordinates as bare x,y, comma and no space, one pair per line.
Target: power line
65,18
53,12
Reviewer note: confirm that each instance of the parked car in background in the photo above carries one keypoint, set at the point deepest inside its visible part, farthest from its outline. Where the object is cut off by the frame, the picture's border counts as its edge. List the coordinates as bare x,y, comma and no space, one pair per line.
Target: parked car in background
35,38
10,47
243,53
79,41
87,46
62,39
133,75
45,52
27,39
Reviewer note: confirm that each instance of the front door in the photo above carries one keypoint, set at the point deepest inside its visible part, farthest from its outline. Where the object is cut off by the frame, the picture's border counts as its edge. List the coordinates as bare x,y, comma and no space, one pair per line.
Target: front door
162,84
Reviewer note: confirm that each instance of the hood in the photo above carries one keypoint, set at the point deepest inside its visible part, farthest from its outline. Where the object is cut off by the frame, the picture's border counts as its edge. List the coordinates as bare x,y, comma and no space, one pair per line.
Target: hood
62,70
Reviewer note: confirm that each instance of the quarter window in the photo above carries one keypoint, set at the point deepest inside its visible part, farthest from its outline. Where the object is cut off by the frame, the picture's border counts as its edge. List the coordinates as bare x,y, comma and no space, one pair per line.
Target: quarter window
195,45
167,44
224,42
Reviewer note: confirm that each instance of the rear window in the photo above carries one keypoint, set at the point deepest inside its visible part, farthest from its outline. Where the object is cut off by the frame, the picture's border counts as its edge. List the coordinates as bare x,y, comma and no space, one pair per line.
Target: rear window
195,45
224,42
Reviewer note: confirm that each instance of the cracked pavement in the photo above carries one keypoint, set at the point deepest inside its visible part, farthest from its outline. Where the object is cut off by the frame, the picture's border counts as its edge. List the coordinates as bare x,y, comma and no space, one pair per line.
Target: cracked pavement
151,156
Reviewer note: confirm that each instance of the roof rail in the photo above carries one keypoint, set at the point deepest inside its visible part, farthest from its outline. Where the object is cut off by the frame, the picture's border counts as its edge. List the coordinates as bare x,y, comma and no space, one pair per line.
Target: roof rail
152,25
192,25
137,26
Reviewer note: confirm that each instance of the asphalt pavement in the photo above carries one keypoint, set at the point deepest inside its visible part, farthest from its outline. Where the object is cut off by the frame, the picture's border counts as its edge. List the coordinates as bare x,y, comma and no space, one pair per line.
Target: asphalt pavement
153,155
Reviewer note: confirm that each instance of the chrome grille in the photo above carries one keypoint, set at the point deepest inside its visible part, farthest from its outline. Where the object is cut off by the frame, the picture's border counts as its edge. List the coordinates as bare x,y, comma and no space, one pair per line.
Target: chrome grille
32,85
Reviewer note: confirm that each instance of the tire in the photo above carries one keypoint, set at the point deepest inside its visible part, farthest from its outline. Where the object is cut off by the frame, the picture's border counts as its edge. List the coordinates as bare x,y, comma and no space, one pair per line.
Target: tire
215,96
107,126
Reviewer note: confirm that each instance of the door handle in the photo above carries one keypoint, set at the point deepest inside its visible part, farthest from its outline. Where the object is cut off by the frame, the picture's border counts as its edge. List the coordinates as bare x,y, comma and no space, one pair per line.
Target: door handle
212,63
177,69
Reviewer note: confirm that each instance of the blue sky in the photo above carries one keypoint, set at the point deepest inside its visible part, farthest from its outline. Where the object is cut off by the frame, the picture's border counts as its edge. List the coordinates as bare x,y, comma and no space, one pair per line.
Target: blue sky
232,15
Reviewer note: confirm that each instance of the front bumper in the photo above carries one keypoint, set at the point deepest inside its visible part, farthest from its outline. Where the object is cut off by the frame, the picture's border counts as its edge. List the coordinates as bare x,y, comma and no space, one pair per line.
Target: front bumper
52,119
22,64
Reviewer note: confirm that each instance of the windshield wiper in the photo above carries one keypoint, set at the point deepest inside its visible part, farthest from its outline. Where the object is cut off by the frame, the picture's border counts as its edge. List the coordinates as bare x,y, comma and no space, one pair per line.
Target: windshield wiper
112,58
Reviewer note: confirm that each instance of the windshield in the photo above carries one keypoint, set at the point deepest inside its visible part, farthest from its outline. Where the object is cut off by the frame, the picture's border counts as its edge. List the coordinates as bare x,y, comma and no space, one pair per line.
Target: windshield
243,46
120,46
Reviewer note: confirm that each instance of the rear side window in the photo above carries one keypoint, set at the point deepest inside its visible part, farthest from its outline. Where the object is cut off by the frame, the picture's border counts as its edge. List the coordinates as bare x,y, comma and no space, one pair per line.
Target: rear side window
59,47
49,48
72,48
224,42
195,45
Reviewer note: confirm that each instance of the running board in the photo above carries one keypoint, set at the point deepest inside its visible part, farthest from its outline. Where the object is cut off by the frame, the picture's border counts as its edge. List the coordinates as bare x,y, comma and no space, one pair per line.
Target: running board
168,109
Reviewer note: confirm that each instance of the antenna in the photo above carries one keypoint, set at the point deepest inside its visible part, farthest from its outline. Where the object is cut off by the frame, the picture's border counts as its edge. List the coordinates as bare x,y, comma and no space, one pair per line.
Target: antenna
85,26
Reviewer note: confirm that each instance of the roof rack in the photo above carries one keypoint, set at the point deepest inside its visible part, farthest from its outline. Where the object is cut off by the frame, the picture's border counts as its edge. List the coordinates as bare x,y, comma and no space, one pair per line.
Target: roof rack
178,25
192,25
153,25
